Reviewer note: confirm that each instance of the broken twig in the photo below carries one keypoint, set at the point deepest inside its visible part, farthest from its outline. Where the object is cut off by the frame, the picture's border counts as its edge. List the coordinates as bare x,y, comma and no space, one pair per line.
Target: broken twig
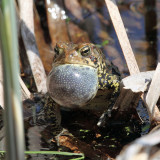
153,96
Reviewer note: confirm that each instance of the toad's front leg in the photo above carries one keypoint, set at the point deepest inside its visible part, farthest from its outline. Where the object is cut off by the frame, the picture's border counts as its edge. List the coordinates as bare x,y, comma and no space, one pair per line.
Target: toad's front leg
109,82
52,115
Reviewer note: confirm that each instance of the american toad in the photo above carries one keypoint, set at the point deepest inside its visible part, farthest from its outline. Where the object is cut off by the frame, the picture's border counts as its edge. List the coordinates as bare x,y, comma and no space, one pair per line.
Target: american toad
81,78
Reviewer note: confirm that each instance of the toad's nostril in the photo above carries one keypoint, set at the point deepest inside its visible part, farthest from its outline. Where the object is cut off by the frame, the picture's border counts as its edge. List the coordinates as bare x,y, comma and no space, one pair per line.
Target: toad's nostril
72,85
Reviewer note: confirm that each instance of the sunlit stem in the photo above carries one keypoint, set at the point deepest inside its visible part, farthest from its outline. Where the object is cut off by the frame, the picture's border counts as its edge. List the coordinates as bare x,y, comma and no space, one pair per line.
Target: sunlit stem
13,109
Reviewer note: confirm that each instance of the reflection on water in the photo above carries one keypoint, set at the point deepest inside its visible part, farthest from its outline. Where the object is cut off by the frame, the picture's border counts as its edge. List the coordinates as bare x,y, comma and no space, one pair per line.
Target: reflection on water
140,20
151,33
57,12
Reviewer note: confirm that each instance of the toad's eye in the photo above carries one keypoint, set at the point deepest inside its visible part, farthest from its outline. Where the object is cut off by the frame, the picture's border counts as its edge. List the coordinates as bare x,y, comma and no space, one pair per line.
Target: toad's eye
85,51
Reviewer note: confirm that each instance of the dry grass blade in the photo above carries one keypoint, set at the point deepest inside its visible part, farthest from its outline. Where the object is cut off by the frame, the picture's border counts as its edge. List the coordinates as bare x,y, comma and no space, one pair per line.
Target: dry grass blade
1,83
27,31
26,94
24,90
122,36
153,96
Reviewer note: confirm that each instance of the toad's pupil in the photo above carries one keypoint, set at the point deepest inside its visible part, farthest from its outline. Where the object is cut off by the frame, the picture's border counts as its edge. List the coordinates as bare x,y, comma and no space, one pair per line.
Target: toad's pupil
56,50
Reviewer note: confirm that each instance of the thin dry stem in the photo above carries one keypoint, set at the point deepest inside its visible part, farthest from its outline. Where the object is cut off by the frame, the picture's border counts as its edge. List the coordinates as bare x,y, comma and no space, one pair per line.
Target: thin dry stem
26,94
28,36
153,95
122,36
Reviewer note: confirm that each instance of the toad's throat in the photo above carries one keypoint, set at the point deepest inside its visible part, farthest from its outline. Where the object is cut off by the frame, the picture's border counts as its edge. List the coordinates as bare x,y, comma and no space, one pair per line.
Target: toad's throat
72,85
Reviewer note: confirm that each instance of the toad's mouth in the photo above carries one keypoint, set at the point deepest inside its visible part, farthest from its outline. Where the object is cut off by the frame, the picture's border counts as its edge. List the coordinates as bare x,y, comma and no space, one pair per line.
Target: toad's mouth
72,85
75,62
